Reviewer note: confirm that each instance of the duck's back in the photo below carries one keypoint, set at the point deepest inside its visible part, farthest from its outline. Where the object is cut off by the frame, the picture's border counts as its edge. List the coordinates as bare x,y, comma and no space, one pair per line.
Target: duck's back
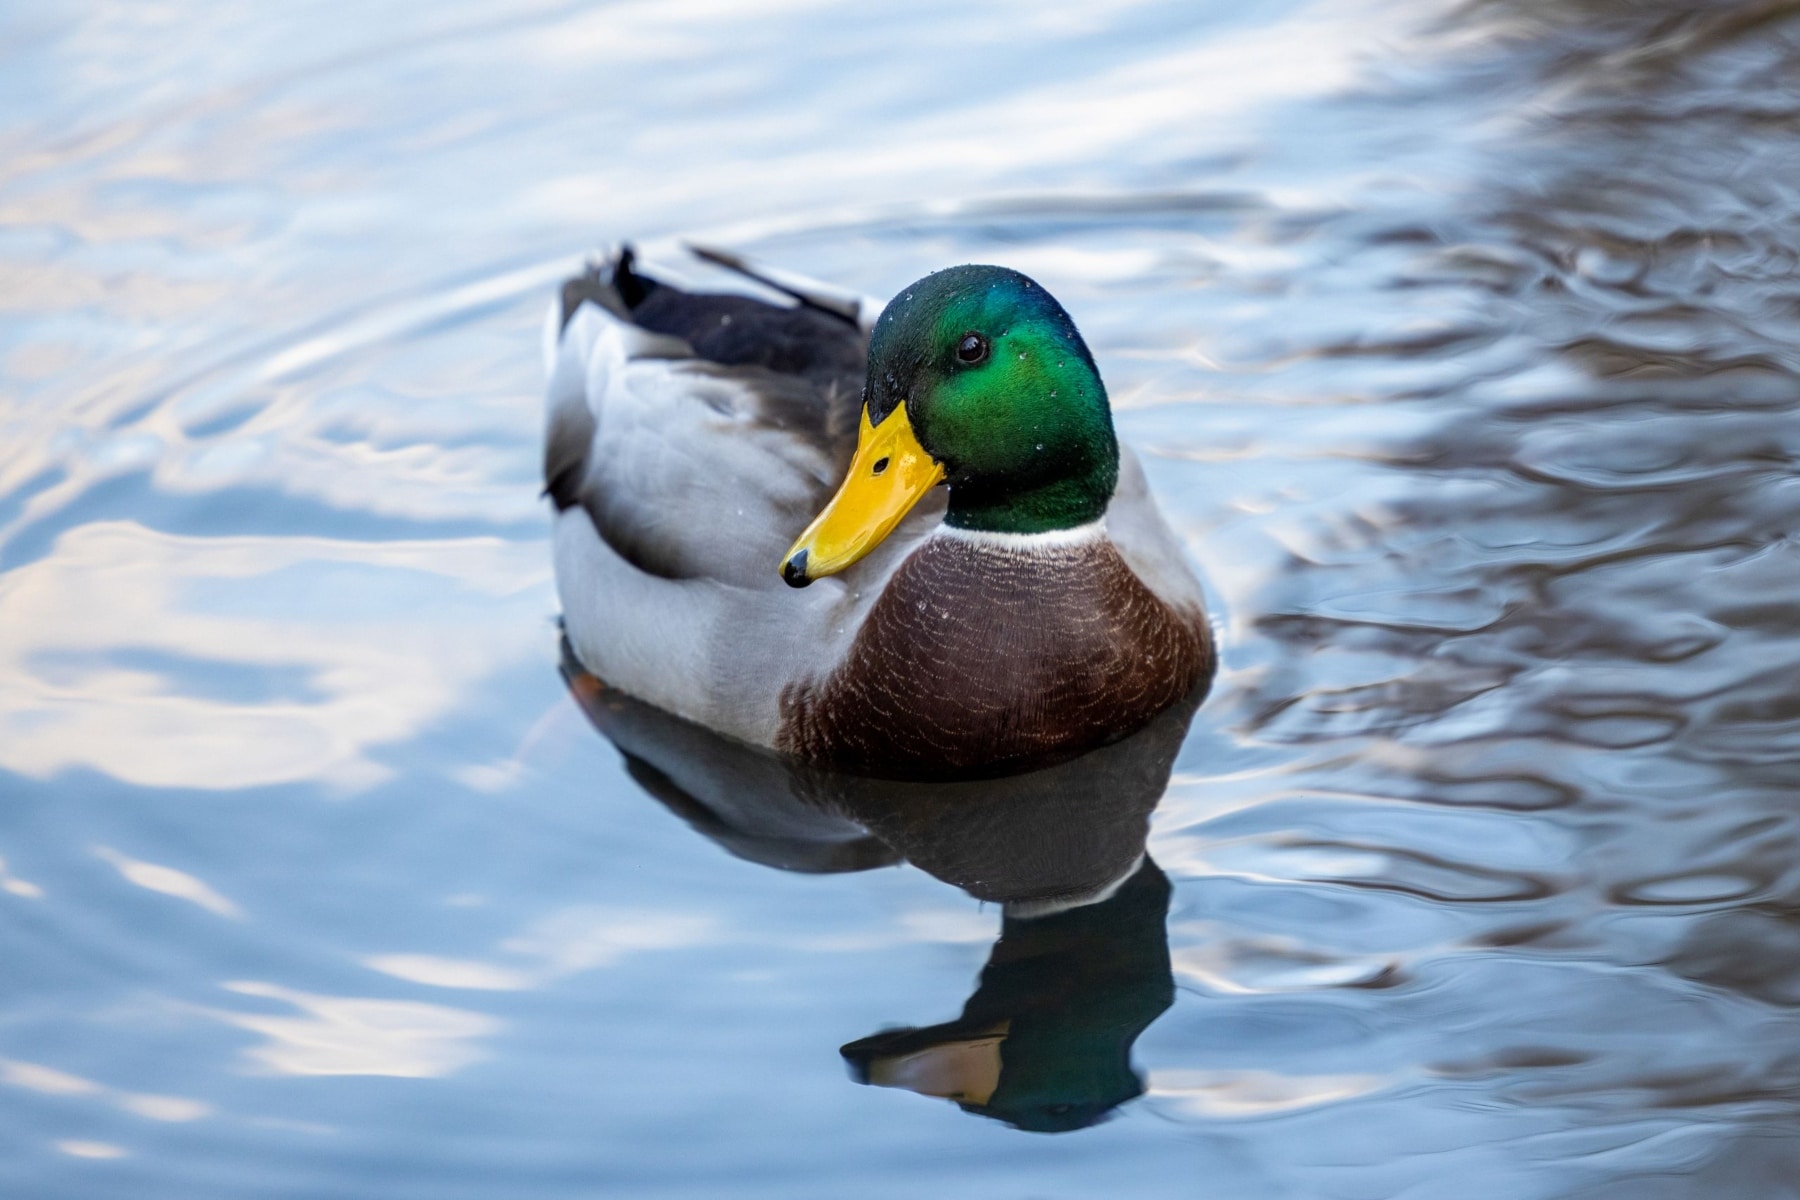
698,430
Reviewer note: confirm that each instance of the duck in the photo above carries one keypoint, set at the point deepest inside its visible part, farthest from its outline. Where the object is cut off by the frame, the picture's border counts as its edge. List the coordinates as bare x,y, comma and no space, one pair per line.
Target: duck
900,541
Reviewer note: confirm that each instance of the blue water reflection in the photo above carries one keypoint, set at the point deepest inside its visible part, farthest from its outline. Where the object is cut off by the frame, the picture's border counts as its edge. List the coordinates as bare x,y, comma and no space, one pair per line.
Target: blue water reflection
1460,341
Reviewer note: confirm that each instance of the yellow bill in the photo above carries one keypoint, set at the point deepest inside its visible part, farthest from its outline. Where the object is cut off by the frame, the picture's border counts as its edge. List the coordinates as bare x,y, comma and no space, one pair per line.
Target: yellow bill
965,1071
888,475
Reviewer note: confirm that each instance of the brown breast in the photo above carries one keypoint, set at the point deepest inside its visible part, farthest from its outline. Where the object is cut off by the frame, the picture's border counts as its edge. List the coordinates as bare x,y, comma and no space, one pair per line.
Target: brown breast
979,659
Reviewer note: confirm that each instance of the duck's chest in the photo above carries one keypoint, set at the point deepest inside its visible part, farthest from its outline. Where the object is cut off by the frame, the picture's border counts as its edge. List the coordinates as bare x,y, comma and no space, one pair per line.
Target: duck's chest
985,658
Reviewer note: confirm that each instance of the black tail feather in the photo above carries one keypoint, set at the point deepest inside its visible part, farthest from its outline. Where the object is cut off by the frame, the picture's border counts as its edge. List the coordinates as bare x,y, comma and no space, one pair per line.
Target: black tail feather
614,286
633,288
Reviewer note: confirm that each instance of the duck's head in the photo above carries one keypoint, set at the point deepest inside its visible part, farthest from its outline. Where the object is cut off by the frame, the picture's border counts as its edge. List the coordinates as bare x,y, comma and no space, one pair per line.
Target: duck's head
978,379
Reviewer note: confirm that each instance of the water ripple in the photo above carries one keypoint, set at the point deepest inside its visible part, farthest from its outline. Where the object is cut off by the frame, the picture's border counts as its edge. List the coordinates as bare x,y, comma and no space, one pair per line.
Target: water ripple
1461,343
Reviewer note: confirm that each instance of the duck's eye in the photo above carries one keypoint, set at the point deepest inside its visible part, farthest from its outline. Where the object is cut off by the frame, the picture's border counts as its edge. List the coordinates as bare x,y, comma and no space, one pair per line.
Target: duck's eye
972,349
880,465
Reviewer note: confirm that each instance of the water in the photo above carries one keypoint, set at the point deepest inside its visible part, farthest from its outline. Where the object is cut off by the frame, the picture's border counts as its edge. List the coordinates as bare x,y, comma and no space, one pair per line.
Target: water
1464,347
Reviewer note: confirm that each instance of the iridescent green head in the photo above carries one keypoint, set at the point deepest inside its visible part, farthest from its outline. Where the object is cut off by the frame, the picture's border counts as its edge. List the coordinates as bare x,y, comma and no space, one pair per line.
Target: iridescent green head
977,378
1002,391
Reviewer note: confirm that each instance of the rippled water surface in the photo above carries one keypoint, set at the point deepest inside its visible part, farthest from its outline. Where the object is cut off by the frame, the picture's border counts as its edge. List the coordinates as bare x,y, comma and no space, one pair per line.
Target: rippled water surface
1463,342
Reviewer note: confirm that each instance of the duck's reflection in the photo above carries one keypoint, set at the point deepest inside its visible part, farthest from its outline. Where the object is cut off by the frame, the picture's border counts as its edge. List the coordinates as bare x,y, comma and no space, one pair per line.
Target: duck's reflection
1045,1041
1082,964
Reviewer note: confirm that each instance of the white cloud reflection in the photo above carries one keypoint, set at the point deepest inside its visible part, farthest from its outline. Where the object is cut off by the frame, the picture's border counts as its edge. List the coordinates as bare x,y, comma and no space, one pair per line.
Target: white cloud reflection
48,1081
18,887
231,662
1198,97
343,1035
565,943
1256,1093
170,882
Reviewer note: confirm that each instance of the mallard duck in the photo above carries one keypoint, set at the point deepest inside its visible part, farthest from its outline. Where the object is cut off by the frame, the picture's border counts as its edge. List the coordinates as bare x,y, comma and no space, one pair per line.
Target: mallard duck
943,564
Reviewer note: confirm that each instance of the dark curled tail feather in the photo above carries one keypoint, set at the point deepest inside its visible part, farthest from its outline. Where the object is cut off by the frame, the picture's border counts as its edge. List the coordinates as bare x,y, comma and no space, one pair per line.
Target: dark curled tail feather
614,286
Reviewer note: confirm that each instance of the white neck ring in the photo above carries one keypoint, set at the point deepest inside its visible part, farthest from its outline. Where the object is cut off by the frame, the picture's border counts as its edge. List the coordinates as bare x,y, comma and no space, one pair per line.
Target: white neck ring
1049,539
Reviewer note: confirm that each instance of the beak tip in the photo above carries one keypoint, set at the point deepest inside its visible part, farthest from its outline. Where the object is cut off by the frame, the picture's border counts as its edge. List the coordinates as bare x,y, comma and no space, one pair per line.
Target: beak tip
793,571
